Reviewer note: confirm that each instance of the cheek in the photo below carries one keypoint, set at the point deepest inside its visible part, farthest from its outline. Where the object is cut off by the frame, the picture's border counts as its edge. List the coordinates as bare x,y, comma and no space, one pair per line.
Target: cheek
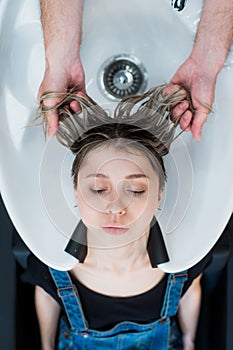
82,204
142,209
153,200
146,210
88,212
92,201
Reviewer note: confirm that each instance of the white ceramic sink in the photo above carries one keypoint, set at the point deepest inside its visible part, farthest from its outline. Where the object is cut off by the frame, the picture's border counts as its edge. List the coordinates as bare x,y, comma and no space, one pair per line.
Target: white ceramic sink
34,176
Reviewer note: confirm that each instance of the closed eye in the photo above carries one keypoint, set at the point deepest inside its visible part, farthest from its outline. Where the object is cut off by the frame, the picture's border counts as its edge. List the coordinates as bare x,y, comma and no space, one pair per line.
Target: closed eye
99,191
137,193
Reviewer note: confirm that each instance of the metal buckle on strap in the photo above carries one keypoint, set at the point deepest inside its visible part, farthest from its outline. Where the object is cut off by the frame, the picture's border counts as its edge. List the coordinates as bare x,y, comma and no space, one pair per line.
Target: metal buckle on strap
71,290
179,275
163,320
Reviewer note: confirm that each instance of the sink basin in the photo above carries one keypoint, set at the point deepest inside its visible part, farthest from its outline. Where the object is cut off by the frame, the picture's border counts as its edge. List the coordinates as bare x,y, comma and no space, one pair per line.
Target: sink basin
35,174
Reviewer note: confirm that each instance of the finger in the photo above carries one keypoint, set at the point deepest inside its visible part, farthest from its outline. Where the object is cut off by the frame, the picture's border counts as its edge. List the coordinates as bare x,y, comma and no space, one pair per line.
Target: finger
198,122
74,105
188,128
185,121
50,115
52,122
179,109
173,88
39,94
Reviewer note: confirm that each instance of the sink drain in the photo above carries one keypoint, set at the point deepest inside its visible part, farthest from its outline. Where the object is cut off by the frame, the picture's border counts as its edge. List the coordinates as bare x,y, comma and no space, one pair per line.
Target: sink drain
121,76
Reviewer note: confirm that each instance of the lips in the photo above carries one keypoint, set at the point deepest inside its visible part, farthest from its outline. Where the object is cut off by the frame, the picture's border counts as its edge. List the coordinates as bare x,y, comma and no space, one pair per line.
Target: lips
114,230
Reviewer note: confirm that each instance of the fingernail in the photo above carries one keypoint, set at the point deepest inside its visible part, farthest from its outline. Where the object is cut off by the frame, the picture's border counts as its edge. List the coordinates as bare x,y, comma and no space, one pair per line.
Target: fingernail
186,116
51,131
182,105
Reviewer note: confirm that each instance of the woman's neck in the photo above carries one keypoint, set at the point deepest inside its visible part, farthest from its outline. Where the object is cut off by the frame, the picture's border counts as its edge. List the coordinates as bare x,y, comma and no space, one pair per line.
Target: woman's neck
120,259
121,271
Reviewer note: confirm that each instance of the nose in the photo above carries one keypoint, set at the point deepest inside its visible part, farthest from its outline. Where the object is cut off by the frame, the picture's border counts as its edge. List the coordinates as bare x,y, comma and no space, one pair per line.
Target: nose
119,212
116,208
117,203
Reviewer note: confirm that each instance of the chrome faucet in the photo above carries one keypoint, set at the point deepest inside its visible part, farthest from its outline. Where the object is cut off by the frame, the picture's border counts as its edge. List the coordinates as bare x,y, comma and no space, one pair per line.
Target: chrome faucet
178,5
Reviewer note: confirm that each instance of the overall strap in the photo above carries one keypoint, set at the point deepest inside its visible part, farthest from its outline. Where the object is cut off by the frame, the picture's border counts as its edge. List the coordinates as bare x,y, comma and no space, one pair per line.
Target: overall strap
173,293
68,293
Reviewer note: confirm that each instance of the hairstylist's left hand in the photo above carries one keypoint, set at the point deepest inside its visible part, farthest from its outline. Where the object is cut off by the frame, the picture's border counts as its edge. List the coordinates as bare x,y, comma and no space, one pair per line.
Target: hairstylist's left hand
201,85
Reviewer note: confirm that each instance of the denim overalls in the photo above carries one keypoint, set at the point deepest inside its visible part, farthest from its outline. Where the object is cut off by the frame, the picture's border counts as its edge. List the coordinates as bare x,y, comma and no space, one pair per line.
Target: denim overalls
158,335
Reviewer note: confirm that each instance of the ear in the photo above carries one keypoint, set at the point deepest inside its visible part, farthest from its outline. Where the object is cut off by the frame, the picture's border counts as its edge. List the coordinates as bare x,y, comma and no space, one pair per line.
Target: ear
160,197
76,198
76,191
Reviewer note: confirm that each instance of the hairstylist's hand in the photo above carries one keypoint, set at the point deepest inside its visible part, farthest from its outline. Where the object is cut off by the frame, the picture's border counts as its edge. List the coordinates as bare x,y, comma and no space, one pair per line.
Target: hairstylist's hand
58,78
199,72
200,83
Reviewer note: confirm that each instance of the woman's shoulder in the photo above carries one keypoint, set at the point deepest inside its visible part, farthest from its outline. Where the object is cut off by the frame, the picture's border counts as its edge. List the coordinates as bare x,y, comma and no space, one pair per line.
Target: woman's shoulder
200,267
196,270
37,273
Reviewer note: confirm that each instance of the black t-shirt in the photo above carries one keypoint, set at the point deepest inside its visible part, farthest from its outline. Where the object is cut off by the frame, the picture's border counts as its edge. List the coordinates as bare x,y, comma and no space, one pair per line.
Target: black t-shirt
103,312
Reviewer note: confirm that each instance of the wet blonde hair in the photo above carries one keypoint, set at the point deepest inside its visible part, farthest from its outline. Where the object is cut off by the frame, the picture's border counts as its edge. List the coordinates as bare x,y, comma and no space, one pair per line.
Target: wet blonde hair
138,122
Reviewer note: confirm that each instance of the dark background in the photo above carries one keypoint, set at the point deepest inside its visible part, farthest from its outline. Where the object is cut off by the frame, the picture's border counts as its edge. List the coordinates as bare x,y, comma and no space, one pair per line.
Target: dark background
18,323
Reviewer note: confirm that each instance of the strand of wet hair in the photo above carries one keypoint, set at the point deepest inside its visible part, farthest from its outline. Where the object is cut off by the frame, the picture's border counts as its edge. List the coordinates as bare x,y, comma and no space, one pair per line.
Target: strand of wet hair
150,111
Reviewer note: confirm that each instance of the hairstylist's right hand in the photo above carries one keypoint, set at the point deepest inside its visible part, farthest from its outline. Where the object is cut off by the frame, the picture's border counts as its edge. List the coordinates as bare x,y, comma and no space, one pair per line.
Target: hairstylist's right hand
58,78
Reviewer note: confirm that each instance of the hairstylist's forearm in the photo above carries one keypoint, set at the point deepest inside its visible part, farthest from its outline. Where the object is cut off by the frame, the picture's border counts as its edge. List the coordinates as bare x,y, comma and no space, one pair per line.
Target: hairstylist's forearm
62,27
214,35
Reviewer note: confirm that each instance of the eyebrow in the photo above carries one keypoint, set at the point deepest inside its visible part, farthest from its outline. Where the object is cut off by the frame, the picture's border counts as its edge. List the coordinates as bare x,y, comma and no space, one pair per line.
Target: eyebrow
128,177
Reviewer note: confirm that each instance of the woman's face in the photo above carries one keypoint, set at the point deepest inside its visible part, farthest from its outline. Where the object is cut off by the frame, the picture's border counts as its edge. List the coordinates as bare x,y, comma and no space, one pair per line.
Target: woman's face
117,194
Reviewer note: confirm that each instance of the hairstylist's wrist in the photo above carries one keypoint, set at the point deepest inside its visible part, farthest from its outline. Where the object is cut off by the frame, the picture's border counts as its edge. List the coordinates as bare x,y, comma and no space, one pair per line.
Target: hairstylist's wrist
59,66
59,58
209,57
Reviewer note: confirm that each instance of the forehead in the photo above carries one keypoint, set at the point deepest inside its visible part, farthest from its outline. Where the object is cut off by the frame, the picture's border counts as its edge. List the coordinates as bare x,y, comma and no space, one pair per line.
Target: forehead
114,162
